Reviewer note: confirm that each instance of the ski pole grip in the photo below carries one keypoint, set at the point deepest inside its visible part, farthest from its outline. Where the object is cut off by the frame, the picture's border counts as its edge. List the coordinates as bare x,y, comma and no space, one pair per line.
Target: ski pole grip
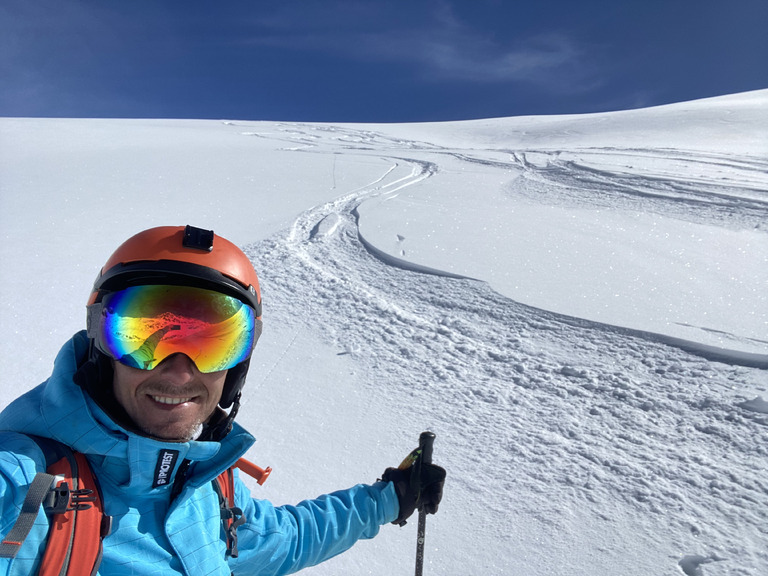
426,440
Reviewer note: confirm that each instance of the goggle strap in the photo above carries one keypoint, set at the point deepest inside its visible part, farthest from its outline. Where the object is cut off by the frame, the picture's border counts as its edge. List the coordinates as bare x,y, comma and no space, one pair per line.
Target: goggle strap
92,320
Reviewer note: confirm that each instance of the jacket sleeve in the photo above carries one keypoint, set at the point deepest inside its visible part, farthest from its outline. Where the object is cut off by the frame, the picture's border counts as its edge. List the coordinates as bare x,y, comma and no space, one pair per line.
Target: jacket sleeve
20,458
286,539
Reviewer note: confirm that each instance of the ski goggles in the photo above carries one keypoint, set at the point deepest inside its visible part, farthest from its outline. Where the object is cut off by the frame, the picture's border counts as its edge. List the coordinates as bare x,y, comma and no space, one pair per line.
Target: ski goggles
141,326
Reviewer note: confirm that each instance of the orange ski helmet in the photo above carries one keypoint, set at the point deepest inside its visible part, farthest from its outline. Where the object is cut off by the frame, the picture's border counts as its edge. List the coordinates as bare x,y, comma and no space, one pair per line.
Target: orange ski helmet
184,256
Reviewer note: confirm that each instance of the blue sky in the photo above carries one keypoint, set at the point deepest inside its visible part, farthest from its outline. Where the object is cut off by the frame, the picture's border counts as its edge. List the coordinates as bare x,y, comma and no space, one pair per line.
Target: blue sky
372,61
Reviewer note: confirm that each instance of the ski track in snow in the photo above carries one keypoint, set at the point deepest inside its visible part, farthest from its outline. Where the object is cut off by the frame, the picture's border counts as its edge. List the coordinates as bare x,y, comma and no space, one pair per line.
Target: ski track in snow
593,414
693,186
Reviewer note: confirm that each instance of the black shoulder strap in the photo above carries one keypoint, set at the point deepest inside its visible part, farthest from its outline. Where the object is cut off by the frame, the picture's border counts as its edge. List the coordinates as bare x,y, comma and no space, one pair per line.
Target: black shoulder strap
53,450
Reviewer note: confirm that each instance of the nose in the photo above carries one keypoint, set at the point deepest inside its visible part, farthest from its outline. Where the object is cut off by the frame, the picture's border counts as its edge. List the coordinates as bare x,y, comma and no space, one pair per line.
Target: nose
178,366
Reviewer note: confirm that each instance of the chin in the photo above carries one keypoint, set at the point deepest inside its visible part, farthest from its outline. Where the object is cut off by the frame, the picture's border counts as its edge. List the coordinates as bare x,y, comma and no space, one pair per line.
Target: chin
174,433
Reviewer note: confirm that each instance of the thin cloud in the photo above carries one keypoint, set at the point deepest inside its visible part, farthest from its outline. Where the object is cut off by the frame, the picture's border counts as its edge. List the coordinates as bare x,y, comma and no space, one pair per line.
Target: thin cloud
473,59
450,49
440,47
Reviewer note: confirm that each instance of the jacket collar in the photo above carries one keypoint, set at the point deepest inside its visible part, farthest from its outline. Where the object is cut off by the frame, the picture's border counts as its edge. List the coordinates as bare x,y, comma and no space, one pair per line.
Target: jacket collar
130,460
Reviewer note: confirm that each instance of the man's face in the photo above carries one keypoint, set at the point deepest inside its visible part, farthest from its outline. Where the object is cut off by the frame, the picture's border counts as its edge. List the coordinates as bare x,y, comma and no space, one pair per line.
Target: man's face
171,401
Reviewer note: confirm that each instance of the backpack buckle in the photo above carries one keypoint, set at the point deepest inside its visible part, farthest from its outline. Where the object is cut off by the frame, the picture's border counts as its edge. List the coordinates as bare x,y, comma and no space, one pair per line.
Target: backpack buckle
61,499
233,518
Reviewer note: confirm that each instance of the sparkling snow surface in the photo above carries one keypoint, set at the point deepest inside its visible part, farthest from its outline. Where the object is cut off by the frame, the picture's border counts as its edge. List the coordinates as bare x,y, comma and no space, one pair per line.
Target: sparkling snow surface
577,306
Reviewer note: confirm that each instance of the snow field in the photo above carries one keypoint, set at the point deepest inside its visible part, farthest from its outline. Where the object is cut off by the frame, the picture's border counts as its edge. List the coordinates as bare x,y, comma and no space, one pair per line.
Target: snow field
575,305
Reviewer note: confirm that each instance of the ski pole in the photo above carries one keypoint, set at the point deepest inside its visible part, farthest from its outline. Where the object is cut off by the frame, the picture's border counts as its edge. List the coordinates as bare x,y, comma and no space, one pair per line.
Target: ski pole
426,439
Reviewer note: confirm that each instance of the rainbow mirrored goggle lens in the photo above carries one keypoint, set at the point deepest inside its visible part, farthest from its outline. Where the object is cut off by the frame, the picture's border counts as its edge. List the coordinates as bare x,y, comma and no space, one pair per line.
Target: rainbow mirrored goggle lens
143,325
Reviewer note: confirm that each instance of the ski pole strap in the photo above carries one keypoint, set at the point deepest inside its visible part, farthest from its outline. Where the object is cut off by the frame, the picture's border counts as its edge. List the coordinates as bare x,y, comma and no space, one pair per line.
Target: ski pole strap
38,490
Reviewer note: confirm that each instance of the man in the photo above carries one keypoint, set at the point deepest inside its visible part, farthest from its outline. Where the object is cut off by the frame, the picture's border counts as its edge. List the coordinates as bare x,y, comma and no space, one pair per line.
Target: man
149,394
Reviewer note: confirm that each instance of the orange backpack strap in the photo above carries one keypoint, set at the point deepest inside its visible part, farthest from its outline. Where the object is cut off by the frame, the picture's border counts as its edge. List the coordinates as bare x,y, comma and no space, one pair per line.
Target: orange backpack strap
78,525
232,516
73,501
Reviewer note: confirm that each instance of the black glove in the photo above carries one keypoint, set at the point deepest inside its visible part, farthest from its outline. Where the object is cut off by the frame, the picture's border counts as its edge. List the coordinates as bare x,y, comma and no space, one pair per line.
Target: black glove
419,485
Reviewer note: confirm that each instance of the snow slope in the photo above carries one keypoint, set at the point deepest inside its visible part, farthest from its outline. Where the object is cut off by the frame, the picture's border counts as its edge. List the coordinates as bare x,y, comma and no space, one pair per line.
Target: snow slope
575,305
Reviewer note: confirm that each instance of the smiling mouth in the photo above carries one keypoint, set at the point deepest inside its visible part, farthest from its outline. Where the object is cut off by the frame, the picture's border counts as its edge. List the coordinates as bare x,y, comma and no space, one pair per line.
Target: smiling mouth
170,401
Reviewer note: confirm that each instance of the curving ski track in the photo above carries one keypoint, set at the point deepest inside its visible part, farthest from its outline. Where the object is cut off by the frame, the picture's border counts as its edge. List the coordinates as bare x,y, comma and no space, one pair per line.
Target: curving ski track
535,404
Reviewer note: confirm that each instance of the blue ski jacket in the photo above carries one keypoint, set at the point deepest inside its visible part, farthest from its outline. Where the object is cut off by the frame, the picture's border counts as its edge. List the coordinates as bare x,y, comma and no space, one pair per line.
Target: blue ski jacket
150,534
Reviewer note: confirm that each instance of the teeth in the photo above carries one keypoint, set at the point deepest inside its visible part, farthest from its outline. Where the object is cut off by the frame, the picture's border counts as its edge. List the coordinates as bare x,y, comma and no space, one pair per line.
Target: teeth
166,400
